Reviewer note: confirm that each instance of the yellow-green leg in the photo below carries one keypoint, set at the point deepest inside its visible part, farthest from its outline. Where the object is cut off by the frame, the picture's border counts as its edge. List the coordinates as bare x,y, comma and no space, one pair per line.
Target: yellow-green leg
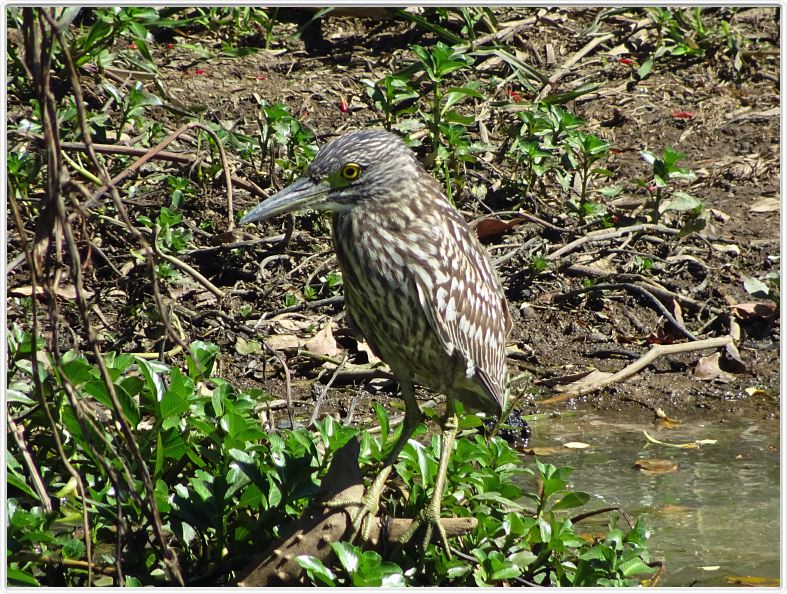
369,505
431,515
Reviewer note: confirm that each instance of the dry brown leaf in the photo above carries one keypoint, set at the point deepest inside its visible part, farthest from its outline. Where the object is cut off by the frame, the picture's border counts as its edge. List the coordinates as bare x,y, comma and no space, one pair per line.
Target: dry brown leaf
489,227
370,356
655,466
542,451
746,311
766,205
753,580
719,215
708,369
323,343
283,342
292,323
732,362
727,248
68,292
666,422
752,391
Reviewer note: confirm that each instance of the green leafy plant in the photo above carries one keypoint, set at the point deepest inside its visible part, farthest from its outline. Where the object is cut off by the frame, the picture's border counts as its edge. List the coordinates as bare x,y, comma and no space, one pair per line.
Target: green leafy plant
224,486
438,62
392,95
23,170
510,542
171,238
665,195
447,127
285,139
584,151
549,142
181,189
682,33
131,105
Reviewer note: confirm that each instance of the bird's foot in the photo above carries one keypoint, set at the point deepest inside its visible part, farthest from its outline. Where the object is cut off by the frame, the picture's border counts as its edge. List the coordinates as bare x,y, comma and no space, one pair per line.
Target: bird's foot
367,507
429,519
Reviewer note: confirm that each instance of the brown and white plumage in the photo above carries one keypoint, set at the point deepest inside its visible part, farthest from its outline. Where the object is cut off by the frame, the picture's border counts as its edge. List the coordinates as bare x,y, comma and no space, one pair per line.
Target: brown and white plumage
429,306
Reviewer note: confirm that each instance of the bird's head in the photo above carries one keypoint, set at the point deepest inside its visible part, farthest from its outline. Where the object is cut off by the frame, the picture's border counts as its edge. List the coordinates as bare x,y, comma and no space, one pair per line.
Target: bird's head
346,173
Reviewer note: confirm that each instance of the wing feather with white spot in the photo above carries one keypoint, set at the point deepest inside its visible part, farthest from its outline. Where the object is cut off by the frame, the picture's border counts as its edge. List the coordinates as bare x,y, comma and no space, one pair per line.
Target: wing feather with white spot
466,305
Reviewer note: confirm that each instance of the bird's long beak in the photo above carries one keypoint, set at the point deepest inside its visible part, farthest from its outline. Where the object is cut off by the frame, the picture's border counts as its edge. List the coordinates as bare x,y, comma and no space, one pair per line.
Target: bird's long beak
303,193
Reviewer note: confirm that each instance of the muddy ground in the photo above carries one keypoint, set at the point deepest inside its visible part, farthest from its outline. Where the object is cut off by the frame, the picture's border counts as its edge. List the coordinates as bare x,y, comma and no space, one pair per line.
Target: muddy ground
725,120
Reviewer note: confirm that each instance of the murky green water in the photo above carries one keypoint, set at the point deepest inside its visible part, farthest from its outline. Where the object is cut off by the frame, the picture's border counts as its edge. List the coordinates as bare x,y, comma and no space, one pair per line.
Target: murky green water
719,508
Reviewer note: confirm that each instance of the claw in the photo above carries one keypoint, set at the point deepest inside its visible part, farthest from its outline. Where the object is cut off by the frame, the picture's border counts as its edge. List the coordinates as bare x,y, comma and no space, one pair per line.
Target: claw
368,507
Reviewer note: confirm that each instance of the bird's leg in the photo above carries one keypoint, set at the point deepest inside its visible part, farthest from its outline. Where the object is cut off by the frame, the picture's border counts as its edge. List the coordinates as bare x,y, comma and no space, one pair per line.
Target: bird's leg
370,503
431,515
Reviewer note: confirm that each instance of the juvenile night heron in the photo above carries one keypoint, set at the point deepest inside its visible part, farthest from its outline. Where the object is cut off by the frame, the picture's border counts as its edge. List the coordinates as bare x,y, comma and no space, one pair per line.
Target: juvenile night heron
418,286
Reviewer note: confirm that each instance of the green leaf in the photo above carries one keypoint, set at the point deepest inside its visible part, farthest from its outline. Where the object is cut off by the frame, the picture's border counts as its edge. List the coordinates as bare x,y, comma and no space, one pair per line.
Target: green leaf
552,486
17,577
755,287
316,569
382,418
143,49
634,566
507,572
205,356
565,97
680,202
347,555
173,404
454,117
644,70
241,456
73,549
159,455
572,499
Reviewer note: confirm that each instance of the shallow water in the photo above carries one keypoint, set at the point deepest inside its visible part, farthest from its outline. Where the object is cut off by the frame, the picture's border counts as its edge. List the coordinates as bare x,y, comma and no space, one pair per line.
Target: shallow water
719,508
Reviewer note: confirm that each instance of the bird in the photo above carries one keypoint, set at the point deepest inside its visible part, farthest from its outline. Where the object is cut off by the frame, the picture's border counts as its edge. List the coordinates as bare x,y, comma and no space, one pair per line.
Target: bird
419,288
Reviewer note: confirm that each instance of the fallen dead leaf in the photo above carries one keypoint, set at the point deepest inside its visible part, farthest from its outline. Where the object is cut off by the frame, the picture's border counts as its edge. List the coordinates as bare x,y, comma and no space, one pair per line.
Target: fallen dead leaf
655,466
752,391
667,423
691,445
292,323
766,205
283,342
746,311
727,248
541,451
753,580
488,227
662,416
68,292
708,369
731,361
576,445
323,343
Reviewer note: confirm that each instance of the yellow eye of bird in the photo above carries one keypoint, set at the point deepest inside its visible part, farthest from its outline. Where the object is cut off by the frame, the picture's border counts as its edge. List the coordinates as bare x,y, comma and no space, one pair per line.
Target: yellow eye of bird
350,171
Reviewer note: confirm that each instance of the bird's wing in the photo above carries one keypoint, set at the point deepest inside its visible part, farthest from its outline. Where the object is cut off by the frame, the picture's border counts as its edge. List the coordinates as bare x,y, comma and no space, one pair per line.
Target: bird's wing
465,303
